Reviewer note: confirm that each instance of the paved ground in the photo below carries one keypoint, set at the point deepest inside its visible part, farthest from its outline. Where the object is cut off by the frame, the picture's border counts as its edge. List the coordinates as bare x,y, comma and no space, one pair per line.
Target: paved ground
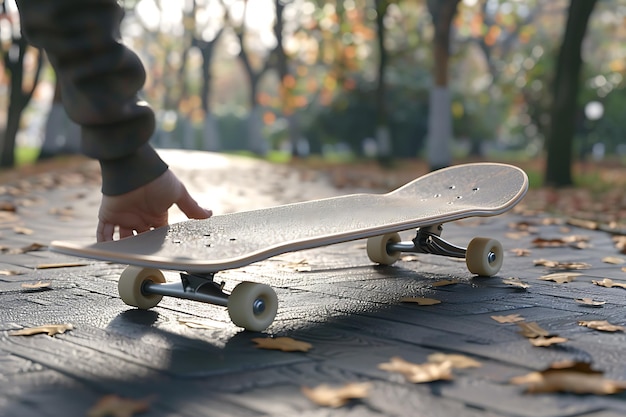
332,298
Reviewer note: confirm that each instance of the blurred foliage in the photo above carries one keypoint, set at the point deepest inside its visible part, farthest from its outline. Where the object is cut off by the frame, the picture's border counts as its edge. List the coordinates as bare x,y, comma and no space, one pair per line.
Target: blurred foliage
503,55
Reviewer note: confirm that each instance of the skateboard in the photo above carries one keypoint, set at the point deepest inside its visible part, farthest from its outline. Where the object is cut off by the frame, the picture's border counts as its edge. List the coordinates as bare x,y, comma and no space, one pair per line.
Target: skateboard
199,249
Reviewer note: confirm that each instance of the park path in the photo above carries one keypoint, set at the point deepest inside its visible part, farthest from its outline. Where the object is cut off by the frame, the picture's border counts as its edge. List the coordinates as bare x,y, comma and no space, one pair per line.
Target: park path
186,359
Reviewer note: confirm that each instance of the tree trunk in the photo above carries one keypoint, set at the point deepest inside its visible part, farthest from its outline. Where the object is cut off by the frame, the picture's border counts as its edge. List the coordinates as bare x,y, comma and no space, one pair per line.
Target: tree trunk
18,98
383,133
439,137
286,88
211,139
564,105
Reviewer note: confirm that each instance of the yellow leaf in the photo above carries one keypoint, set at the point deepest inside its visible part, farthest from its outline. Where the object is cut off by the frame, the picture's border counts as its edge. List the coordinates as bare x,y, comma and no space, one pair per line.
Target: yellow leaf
420,301
515,282
334,397
547,341
521,252
561,265
35,286
10,272
572,377
115,406
511,318
609,283
613,260
445,282
50,329
418,373
457,361
61,265
560,278
590,302
602,325
22,230
532,330
285,344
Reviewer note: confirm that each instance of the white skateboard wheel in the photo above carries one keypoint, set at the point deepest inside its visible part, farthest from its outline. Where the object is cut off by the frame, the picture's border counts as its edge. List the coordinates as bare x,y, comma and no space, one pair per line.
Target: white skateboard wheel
377,248
484,256
252,306
130,283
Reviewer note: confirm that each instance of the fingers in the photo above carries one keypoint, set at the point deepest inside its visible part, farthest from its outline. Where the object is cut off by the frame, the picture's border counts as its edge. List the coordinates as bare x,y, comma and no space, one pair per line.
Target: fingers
191,208
105,231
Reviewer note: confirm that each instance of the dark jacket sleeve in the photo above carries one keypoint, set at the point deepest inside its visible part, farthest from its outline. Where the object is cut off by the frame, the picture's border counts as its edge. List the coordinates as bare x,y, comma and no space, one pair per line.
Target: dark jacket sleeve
100,79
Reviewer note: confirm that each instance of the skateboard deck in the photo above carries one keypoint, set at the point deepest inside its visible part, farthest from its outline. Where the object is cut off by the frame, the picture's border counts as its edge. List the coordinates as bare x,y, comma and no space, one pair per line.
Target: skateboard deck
234,240
200,248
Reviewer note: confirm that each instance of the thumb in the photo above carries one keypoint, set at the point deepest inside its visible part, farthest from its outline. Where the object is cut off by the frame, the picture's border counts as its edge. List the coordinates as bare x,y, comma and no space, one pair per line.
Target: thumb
190,207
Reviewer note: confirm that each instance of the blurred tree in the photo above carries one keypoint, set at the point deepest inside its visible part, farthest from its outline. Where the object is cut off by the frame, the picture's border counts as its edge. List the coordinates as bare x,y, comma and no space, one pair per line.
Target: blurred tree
383,133
22,79
563,113
498,29
206,45
439,152
287,80
257,142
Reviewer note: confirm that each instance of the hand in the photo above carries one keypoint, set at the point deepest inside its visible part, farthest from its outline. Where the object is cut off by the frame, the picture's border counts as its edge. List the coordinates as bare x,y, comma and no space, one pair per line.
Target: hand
146,207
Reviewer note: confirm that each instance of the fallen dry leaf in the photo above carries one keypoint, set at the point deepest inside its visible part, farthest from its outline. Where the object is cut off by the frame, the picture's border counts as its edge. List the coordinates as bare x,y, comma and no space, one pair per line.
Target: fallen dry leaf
524,226
300,266
620,243
561,265
49,329
584,224
521,252
419,373
457,361
548,243
10,272
516,235
285,344
511,318
572,377
546,341
115,406
515,282
422,301
8,206
409,258
35,286
61,265
198,323
560,277
445,282
33,247
532,330
609,283
20,230
334,397
602,325
613,260
590,302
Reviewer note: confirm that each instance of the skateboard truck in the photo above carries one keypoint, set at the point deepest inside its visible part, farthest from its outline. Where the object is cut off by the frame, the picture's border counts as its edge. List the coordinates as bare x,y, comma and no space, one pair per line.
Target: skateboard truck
250,305
428,240
191,287
483,256
198,287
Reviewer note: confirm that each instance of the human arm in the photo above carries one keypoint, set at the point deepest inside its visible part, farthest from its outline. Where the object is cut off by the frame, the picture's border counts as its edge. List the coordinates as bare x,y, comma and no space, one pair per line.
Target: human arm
100,79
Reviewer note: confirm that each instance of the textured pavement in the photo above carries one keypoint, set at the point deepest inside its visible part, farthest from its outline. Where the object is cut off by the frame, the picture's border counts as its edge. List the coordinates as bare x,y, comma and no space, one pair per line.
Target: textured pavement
185,358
